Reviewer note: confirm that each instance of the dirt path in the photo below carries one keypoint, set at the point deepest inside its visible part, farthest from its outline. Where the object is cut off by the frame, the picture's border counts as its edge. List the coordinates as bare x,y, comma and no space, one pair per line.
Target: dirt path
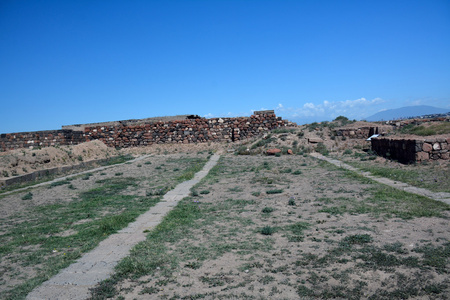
75,281
441,196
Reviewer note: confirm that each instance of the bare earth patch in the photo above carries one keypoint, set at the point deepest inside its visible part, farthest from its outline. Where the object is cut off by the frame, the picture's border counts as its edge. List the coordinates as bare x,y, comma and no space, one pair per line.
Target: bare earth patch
43,229
291,227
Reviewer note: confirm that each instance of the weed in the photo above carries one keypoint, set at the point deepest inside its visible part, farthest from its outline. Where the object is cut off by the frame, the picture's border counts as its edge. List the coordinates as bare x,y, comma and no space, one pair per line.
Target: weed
267,210
291,201
118,174
159,191
28,196
322,149
204,192
58,183
236,189
347,152
276,191
297,172
256,194
267,230
87,176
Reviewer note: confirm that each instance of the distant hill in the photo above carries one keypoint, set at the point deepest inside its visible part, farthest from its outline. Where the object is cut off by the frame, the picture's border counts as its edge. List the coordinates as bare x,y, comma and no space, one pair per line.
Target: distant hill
406,112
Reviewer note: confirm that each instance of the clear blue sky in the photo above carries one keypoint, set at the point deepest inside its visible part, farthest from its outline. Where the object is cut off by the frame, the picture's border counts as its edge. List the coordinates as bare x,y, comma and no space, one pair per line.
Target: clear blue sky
69,62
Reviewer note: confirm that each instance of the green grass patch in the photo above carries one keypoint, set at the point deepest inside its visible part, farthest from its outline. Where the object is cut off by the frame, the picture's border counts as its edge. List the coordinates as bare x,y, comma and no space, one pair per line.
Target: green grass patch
433,129
28,196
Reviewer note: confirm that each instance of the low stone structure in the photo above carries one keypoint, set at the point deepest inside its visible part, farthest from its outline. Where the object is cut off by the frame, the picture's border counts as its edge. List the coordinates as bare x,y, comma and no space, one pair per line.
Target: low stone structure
132,133
412,150
357,133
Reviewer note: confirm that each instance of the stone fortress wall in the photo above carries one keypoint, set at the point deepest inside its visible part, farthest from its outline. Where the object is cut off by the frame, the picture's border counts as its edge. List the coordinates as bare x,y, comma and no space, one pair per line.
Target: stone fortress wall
132,133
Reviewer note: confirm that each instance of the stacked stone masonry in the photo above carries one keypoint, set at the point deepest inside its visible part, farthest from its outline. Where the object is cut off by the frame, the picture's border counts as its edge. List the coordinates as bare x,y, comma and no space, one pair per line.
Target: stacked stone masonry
182,131
409,150
357,133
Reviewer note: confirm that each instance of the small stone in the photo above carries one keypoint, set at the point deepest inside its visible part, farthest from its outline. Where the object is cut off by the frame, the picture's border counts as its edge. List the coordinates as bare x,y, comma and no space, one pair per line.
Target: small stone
315,140
427,147
290,151
273,151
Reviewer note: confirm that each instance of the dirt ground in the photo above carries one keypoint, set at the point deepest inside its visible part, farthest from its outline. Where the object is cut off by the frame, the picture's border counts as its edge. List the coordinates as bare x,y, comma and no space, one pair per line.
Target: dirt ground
60,212
266,227
333,237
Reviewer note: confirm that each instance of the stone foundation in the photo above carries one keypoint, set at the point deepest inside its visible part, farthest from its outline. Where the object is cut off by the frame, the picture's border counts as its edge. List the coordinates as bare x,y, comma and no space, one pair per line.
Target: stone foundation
412,150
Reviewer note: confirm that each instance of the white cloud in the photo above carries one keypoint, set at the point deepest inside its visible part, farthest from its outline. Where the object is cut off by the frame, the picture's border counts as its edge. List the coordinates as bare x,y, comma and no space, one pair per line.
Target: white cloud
329,110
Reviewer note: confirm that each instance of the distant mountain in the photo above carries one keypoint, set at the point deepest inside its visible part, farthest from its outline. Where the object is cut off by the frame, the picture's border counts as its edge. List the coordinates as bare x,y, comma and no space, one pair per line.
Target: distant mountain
406,112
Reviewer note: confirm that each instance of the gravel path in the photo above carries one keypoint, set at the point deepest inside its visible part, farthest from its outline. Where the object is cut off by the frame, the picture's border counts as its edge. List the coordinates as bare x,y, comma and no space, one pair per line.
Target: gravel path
75,281
443,197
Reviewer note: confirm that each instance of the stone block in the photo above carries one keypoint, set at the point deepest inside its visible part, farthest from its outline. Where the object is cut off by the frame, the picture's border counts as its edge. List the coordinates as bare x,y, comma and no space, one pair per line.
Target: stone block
427,147
422,156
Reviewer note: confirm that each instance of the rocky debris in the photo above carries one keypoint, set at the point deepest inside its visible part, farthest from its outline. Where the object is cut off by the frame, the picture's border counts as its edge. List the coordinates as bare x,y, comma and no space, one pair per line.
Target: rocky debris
273,151
315,140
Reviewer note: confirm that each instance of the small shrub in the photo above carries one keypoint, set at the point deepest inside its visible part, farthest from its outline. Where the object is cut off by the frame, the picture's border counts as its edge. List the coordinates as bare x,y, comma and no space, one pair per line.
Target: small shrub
277,191
194,193
256,194
160,191
291,202
118,174
322,149
267,230
80,158
148,163
267,210
27,196
298,172
86,177
204,192
357,239
347,152
58,183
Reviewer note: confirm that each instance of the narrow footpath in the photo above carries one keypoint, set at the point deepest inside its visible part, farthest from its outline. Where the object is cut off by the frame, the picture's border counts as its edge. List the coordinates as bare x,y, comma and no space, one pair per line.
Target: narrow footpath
439,196
75,281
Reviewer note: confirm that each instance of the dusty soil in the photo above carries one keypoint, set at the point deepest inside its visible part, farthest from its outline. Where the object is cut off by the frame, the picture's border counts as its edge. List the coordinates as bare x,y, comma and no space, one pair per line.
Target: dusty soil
333,237
24,161
25,223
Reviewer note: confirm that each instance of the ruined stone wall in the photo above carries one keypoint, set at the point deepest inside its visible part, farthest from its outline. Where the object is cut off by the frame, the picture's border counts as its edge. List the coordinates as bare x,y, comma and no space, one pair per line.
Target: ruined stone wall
10,141
412,150
161,132
185,131
357,133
